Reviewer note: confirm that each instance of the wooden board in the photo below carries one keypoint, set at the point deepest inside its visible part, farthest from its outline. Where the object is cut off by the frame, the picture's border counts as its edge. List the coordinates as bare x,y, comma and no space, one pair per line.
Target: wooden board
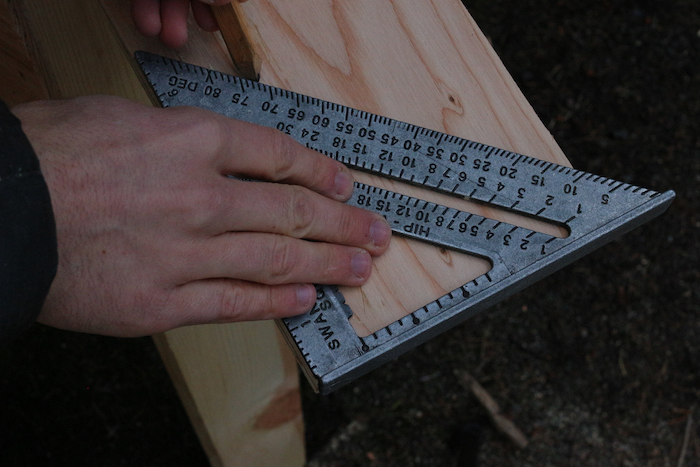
21,78
422,62
238,382
240,385
426,63
236,36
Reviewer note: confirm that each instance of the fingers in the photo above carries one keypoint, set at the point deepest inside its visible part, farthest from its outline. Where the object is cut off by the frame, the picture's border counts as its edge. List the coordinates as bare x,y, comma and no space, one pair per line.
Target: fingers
146,16
265,153
204,17
173,15
274,259
168,18
164,18
225,301
248,150
296,212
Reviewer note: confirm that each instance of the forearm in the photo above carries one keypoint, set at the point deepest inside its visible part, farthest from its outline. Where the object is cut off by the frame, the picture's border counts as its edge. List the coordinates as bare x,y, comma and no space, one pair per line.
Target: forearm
28,250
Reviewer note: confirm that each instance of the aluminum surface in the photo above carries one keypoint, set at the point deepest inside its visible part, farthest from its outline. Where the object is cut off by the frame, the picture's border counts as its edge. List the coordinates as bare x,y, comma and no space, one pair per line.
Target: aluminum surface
593,209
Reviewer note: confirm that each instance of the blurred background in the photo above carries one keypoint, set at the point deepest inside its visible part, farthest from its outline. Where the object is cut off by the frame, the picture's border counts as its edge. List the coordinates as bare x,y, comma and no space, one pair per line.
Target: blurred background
598,364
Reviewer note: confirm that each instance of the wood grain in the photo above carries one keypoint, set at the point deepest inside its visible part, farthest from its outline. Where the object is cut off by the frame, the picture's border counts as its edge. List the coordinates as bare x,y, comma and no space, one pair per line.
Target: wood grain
423,62
243,382
236,35
22,80
232,379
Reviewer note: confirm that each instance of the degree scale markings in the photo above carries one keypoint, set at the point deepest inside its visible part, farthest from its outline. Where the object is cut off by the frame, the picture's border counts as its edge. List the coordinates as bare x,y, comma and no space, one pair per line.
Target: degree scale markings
450,228
594,209
409,153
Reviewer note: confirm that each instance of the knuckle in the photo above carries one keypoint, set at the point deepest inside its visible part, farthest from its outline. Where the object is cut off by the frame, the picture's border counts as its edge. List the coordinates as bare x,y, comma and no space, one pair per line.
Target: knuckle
213,205
323,170
350,223
151,305
283,260
195,124
234,302
284,155
301,211
210,128
245,303
221,134
195,210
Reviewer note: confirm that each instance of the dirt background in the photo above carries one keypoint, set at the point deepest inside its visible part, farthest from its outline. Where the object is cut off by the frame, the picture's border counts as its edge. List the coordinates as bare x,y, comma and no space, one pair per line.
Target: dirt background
599,364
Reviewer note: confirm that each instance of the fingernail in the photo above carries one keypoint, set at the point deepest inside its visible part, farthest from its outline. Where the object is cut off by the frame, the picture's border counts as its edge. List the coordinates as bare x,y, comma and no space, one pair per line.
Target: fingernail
343,183
361,264
380,232
306,295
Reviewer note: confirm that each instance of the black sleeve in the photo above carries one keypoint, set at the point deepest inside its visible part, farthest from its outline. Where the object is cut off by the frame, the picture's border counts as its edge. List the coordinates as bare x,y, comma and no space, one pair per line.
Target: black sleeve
28,250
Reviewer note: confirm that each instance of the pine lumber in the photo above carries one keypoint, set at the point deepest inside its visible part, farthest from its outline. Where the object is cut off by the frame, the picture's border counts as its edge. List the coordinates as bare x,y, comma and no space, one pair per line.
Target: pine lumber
426,63
238,382
21,79
236,35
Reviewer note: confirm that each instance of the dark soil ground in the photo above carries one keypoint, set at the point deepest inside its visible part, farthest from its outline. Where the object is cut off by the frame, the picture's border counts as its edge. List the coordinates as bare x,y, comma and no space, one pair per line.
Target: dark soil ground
599,364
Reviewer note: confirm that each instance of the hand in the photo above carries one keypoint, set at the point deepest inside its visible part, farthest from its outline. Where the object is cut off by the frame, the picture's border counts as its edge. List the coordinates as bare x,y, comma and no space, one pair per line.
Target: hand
153,234
168,18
